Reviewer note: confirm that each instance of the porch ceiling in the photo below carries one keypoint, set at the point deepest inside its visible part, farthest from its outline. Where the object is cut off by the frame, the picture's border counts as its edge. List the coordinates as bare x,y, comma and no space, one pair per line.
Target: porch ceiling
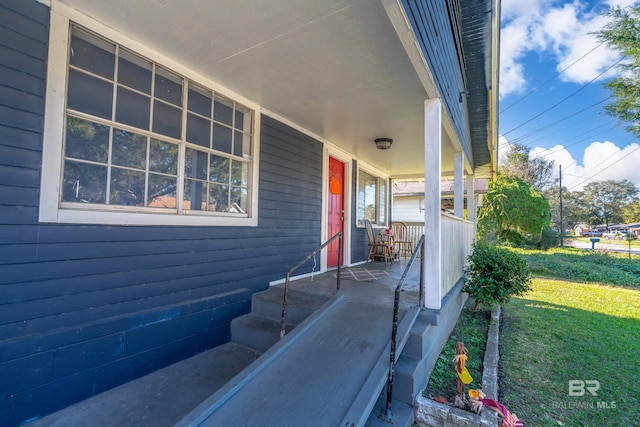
334,67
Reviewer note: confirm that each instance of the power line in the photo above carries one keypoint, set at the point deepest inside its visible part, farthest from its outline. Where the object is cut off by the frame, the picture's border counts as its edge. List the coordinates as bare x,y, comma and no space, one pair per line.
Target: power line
520,138
564,99
535,89
579,138
599,172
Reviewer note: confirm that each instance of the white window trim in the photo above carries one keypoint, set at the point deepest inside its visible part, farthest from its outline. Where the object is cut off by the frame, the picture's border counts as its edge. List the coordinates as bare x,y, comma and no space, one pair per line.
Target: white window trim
52,156
378,174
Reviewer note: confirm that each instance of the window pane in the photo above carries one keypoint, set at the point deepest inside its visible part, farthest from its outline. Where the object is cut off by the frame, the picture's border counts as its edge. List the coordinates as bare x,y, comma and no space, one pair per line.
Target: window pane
246,146
163,157
89,94
127,187
132,108
196,164
219,169
243,119
198,130
134,72
223,111
199,101
84,183
92,53
237,143
382,203
219,198
162,191
239,198
167,120
221,138
239,120
129,149
239,173
86,140
168,86
366,198
195,195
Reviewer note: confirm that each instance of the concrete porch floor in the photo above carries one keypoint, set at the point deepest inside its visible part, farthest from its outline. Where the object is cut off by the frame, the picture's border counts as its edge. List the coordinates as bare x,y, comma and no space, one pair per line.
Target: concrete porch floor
166,396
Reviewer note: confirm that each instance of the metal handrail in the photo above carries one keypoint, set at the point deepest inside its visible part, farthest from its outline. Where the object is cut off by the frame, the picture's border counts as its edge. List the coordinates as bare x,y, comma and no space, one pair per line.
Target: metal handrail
396,308
338,236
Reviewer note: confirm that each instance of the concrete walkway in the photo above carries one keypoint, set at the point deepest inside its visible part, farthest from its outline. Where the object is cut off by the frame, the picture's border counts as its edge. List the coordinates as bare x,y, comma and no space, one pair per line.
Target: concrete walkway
165,397
159,399
328,372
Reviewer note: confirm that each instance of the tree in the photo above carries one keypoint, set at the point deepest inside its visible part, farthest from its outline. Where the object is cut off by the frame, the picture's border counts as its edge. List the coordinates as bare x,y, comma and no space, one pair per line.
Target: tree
512,211
631,212
622,33
607,199
536,171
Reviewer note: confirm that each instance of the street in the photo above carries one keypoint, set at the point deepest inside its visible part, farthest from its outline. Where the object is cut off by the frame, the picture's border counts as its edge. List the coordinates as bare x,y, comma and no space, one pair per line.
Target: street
602,245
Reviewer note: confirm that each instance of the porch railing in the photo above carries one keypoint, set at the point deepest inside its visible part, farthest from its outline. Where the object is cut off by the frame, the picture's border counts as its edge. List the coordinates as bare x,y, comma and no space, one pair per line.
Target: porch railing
457,237
338,236
394,329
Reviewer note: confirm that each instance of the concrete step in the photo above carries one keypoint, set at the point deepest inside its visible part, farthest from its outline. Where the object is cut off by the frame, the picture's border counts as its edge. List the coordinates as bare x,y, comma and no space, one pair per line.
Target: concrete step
300,305
257,332
329,370
409,379
161,398
418,343
402,415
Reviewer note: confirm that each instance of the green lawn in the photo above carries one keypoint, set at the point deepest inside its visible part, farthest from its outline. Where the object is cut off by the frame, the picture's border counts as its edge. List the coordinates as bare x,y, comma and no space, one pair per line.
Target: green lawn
580,322
580,265
565,331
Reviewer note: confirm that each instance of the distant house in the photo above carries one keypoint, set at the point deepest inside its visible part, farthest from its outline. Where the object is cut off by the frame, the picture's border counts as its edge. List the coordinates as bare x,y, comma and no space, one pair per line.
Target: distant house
633,229
408,198
580,228
164,161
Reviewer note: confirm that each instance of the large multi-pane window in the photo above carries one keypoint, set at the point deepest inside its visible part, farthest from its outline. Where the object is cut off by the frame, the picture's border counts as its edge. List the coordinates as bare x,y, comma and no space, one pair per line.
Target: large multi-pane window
139,137
372,198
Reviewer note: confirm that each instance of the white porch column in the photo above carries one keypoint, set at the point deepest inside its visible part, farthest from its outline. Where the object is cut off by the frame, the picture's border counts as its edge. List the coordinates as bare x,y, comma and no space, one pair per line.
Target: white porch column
458,184
471,198
432,202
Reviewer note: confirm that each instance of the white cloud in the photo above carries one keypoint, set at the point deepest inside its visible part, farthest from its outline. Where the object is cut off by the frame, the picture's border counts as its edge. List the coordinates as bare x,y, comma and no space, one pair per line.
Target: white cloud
548,29
601,161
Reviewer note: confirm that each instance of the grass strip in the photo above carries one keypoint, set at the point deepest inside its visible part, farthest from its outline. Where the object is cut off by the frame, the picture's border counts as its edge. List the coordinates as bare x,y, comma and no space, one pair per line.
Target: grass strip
565,331
471,329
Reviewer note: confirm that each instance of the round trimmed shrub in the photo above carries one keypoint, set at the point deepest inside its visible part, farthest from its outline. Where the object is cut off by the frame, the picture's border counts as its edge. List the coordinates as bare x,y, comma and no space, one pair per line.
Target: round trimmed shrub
495,274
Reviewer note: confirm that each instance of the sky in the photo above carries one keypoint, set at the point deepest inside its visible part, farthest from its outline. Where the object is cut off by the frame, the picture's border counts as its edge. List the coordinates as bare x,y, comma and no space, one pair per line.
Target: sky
552,94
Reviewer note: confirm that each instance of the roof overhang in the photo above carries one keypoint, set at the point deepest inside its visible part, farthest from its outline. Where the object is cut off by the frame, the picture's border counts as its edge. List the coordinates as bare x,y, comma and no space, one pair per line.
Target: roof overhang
336,68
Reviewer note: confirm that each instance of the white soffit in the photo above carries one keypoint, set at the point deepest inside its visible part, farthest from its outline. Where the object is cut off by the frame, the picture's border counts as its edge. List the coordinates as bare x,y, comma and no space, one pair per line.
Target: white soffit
334,67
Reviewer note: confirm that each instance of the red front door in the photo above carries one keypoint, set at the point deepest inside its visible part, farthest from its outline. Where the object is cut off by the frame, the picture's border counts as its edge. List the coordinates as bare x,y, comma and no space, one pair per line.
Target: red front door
335,217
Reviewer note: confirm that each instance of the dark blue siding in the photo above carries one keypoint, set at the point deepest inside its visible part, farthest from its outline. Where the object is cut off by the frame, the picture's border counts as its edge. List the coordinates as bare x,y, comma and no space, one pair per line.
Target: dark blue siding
430,20
84,308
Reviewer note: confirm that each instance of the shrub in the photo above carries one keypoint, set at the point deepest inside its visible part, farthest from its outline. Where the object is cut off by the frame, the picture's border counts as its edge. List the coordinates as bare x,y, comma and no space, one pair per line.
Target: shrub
495,274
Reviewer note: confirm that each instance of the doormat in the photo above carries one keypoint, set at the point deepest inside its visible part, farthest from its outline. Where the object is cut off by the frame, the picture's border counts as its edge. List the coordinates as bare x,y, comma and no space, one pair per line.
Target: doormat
361,274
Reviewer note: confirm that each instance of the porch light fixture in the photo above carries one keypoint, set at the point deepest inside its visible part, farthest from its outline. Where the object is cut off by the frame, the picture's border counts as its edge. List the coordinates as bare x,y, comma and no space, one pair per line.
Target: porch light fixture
383,143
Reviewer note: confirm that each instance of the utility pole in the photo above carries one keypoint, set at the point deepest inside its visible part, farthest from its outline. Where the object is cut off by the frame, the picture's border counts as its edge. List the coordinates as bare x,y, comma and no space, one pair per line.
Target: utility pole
561,215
